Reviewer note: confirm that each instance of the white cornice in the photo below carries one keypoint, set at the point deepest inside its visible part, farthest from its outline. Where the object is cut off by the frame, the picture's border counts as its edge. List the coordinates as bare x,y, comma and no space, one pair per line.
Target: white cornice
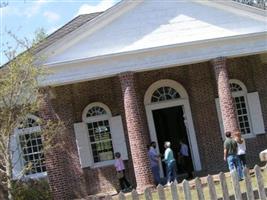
154,58
238,8
90,27
124,6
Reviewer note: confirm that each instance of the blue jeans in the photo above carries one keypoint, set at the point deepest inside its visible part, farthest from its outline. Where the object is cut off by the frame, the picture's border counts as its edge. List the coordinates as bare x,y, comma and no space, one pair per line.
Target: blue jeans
155,172
235,164
171,173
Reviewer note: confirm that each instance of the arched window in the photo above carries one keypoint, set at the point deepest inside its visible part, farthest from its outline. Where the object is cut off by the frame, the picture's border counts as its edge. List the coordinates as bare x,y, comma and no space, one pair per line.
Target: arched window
30,152
248,110
164,94
164,90
97,116
239,93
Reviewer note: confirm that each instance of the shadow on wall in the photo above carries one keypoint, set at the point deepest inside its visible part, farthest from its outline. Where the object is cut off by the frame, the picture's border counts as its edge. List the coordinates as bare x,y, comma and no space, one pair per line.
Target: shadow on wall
102,179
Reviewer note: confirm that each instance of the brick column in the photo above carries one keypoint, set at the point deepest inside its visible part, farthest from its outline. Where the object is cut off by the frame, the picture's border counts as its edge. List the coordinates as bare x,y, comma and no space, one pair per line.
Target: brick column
226,100
55,157
136,131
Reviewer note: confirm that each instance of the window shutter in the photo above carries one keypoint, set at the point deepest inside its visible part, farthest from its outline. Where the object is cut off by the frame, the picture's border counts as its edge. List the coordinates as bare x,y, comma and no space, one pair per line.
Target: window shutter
17,159
83,145
255,113
118,137
219,114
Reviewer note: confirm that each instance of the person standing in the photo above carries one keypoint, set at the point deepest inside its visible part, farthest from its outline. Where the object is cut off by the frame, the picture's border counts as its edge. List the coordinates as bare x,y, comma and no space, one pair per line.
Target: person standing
120,169
170,163
230,155
241,148
186,160
154,162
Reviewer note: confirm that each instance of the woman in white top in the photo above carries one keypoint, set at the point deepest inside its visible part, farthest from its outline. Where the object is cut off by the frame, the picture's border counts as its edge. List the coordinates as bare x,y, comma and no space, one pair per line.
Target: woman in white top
241,148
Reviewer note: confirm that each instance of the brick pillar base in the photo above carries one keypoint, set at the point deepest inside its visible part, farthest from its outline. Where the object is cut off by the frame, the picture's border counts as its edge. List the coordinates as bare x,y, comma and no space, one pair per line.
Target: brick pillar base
136,132
55,159
225,97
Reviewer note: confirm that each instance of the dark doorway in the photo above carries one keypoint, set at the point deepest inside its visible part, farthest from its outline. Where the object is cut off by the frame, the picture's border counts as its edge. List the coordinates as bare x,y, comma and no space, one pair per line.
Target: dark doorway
169,125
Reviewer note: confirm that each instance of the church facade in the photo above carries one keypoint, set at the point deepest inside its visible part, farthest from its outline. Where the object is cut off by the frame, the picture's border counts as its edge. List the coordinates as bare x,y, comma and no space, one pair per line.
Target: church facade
147,71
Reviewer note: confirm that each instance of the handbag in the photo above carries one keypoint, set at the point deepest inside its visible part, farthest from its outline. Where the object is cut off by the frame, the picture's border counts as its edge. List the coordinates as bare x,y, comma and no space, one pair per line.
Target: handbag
120,174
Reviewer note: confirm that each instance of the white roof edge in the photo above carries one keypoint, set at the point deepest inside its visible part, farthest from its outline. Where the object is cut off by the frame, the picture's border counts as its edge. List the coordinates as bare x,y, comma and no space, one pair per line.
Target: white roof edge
125,5
49,65
241,8
93,25
245,7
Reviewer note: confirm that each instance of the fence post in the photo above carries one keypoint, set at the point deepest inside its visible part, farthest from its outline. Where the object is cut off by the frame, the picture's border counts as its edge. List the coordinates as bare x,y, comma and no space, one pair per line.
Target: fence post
122,196
148,195
174,191
211,185
186,188
249,189
236,186
134,195
260,183
224,186
199,189
161,192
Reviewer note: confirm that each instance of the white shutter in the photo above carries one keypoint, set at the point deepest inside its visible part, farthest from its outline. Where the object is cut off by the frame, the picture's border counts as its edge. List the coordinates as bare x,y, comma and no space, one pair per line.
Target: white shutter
118,137
219,114
255,113
17,159
83,145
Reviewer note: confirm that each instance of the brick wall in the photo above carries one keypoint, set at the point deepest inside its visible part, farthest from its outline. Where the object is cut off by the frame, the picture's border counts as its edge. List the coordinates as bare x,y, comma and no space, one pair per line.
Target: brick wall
199,82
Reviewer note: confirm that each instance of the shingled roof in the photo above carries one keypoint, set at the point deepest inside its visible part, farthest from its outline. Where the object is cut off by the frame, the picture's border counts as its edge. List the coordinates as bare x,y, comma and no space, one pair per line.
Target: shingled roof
67,28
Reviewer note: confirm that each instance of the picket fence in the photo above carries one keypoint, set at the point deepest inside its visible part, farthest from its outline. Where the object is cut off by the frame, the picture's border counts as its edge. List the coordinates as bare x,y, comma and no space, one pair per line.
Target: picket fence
250,193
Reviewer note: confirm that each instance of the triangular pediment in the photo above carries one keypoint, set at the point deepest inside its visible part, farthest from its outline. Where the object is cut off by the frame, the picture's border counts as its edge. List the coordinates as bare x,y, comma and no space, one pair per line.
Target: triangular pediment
153,23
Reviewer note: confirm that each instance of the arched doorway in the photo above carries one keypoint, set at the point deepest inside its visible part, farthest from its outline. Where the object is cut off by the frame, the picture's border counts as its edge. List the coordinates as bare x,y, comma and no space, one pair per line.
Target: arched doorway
169,117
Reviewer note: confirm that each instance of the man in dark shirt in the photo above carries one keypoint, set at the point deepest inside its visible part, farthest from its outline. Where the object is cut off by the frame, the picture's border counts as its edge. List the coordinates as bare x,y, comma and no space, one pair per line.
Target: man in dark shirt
230,150
154,159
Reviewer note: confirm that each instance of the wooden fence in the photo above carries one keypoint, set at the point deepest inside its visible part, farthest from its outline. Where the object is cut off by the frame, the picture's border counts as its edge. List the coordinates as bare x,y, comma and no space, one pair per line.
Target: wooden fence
228,188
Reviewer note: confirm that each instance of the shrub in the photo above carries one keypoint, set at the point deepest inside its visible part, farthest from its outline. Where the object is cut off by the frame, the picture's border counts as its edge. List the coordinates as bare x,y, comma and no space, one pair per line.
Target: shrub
33,190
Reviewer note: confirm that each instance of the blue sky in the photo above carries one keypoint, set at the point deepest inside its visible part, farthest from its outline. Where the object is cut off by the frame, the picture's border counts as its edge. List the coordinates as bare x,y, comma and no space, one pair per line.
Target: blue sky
24,17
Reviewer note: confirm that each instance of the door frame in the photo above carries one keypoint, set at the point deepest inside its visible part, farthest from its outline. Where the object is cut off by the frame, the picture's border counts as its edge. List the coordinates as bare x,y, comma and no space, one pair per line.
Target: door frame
188,123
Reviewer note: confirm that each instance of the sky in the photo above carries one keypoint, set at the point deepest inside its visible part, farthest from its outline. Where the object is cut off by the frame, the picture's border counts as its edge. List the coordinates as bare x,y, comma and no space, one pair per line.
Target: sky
24,17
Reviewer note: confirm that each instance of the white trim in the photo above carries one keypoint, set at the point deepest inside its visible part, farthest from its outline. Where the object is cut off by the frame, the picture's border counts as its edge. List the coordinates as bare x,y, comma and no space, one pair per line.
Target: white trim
22,131
238,8
184,102
96,118
36,176
122,7
241,84
193,44
243,93
255,111
84,69
103,163
164,83
90,27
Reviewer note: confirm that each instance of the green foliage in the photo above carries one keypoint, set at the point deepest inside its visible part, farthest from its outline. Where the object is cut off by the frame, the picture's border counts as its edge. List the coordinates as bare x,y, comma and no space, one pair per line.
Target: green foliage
21,95
32,190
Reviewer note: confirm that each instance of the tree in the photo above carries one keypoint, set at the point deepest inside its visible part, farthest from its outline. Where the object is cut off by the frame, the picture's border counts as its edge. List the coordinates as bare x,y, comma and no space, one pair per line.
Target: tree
20,96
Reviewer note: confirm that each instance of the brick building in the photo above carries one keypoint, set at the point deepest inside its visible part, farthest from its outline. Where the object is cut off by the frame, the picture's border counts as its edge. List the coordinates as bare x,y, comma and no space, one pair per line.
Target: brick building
153,71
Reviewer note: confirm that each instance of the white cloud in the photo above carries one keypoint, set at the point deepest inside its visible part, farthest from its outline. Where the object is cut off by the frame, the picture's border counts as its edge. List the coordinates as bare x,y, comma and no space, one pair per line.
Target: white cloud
35,8
103,5
51,16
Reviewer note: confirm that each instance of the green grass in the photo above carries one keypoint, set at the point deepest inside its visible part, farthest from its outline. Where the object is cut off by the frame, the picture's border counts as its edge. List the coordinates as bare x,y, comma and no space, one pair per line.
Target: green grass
205,188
